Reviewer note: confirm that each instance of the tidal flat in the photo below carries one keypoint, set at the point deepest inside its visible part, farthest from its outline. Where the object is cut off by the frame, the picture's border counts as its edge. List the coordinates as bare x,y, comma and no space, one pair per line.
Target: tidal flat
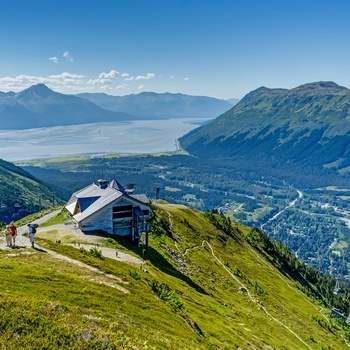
136,136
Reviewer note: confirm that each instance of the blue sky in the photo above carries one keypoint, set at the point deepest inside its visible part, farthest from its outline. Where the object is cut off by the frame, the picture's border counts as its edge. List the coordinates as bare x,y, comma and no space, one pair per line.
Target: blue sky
218,48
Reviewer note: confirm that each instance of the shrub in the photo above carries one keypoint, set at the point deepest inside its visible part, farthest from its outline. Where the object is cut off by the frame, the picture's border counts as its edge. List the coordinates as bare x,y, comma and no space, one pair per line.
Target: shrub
165,293
134,274
94,252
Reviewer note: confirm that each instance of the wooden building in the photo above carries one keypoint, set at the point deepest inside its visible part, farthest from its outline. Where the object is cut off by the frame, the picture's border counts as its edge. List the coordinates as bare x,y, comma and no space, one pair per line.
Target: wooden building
109,207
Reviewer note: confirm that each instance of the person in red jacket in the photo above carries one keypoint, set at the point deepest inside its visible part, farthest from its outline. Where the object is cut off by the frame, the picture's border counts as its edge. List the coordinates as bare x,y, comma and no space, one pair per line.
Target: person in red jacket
13,230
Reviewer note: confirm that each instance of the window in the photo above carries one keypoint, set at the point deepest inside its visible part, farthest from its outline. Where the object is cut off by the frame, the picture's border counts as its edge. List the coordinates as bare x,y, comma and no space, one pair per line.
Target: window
123,211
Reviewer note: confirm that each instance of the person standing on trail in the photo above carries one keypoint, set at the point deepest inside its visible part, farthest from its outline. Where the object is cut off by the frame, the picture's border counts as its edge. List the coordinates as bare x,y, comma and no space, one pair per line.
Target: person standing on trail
8,236
13,230
31,233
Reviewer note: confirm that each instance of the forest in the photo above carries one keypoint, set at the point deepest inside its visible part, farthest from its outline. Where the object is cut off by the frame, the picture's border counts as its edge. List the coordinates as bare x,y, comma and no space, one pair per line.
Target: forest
314,227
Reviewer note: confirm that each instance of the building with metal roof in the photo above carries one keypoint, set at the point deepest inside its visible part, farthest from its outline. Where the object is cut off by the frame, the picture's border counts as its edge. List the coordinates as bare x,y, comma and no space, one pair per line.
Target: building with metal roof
108,206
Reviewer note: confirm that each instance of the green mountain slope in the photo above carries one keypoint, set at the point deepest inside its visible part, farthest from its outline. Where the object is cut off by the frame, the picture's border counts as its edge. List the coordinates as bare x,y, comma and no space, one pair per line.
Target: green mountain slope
306,125
204,287
21,193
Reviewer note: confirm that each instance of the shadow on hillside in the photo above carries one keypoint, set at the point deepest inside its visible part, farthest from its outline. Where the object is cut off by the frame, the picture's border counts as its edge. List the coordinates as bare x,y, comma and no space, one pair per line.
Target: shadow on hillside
40,250
152,255
295,276
101,234
18,247
157,260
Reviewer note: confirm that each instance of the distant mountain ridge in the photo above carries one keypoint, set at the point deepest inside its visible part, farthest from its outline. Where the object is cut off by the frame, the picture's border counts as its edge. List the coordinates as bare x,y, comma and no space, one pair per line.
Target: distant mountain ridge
306,125
39,106
165,105
233,101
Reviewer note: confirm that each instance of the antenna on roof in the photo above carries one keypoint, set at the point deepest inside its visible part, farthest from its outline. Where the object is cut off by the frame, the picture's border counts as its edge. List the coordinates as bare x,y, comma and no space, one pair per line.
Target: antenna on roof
130,188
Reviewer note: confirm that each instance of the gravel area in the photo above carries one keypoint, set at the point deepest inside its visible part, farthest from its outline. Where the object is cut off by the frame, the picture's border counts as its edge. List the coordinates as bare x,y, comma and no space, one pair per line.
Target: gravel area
70,229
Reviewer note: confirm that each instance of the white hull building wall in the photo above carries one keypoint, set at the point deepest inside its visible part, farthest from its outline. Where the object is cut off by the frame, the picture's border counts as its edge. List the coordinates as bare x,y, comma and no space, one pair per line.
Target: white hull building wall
109,207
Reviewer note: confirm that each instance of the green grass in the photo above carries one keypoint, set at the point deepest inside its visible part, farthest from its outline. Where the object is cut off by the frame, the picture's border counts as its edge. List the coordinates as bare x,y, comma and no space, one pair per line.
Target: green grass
46,303
63,217
186,299
32,217
274,291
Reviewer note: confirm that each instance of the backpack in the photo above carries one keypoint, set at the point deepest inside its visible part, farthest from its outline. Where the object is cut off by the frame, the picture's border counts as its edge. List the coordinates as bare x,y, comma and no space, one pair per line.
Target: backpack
33,230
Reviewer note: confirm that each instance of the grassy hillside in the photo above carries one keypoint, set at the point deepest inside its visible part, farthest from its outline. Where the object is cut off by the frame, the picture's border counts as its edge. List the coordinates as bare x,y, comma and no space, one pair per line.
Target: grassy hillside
21,193
204,287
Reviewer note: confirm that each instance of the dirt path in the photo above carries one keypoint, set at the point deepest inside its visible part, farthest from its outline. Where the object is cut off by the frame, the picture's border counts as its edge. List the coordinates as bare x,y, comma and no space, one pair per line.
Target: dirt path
91,240
256,301
98,276
111,253
242,286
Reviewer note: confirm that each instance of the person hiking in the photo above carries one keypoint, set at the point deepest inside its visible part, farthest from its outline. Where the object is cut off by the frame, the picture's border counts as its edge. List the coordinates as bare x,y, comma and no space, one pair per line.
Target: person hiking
8,236
31,232
13,230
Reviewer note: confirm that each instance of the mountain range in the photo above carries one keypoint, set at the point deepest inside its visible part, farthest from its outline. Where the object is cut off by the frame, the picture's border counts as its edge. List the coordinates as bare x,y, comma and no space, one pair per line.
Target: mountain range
166,105
39,106
306,125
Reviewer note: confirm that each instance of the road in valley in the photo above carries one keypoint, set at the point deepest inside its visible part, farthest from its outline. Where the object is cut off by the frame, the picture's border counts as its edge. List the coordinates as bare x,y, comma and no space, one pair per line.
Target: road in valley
291,204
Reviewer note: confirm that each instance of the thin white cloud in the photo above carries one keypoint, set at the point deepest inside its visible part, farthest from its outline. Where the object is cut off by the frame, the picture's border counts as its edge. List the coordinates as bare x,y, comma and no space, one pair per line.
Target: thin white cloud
66,75
54,59
123,87
21,80
98,81
187,78
66,82
60,81
111,75
104,78
105,88
67,56
93,81
66,79
172,77
147,77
